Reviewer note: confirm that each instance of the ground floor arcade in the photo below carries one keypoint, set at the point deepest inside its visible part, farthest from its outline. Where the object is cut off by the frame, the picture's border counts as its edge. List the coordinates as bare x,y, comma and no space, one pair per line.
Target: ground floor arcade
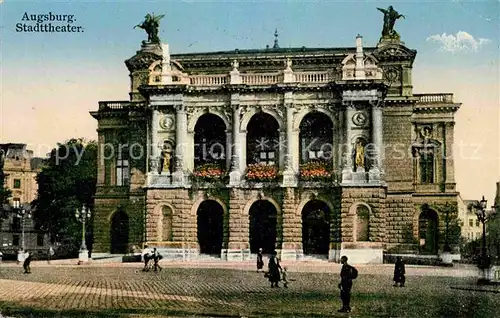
299,223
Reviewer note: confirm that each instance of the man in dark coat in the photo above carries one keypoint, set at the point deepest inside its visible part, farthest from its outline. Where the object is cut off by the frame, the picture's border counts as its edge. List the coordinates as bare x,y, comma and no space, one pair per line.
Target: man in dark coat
399,272
26,264
274,270
156,258
347,274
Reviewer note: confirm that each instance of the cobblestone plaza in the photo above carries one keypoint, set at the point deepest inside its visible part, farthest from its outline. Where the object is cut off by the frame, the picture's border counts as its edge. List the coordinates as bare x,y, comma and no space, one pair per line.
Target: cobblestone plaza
215,290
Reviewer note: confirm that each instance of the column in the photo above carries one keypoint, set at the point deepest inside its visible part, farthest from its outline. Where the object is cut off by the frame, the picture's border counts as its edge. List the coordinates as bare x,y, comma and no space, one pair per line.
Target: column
449,166
181,140
236,146
289,177
155,150
347,155
228,151
377,141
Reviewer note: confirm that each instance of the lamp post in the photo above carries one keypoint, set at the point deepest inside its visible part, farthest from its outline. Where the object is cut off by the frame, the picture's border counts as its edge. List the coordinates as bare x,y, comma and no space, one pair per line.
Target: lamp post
485,261
82,215
22,212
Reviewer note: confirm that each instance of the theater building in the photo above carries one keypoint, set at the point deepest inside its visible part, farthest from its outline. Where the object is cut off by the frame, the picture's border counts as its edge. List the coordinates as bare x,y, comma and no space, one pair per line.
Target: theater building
312,152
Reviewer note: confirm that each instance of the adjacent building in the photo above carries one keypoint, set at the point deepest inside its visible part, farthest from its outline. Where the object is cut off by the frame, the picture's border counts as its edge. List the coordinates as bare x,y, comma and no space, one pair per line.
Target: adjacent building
20,168
471,229
312,152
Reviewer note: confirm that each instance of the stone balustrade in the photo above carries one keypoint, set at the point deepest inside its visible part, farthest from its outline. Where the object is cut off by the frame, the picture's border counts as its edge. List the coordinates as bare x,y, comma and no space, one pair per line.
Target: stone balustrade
261,78
434,98
252,79
117,105
312,77
209,80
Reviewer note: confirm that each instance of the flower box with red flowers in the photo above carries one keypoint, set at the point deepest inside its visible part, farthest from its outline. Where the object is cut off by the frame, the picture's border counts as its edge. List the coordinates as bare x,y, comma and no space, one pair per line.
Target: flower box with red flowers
316,171
259,172
208,172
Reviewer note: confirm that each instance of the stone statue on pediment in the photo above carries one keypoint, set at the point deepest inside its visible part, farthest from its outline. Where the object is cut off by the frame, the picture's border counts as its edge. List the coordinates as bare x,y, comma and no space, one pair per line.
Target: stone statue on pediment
151,25
390,17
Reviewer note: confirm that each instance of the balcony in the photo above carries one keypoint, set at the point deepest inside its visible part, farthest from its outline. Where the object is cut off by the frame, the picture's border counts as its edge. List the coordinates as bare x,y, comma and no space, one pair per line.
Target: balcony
434,98
118,105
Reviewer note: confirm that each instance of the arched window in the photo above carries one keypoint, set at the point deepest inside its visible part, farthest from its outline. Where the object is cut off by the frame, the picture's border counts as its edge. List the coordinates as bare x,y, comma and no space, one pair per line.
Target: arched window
263,140
210,141
316,137
362,223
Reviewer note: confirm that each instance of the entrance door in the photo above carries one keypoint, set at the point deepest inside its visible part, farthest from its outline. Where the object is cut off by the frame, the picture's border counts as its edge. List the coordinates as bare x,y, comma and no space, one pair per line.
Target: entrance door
210,227
428,232
262,226
119,233
315,228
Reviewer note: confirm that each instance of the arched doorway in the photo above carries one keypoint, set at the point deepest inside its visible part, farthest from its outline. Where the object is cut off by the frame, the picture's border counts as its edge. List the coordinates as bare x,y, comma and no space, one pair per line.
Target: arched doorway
262,226
119,232
316,227
210,141
316,138
263,140
428,231
210,227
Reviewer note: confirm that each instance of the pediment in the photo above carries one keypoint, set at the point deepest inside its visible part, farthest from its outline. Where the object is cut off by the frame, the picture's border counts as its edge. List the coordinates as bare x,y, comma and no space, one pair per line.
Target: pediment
142,60
394,52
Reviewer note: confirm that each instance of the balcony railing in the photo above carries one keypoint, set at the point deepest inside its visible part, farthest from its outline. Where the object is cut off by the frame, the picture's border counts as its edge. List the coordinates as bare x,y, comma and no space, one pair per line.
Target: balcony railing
114,105
434,98
312,77
208,80
250,79
262,78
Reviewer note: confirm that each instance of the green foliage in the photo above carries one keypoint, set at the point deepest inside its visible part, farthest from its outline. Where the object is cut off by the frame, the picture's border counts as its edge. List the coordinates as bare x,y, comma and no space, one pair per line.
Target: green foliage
493,238
67,181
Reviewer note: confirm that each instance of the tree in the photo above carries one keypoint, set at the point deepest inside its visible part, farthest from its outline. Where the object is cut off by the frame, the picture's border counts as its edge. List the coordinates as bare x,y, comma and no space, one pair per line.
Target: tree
67,181
493,238
4,191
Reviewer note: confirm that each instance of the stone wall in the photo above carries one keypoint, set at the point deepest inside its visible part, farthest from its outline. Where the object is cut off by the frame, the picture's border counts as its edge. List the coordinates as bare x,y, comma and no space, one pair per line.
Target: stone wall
397,162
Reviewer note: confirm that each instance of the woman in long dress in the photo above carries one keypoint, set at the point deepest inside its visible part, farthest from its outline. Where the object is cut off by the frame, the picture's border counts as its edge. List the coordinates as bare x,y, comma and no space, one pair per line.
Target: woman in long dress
274,270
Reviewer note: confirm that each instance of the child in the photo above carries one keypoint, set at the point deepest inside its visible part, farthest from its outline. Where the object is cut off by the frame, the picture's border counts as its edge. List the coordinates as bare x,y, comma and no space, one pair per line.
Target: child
284,276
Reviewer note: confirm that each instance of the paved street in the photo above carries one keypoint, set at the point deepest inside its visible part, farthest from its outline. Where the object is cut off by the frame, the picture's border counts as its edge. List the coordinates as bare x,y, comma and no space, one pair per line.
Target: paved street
232,290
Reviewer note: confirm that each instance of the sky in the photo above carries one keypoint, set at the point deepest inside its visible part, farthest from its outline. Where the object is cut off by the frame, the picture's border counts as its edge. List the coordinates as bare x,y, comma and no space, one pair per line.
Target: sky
50,81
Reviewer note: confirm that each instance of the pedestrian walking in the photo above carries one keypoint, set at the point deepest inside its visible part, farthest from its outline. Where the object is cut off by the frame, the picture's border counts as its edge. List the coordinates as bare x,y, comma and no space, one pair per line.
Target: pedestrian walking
156,258
260,261
274,269
26,264
146,257
399,272
50,254
347,274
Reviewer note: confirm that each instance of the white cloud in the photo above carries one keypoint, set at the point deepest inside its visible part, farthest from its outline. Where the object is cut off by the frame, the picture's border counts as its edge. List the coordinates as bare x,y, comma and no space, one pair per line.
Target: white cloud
460,42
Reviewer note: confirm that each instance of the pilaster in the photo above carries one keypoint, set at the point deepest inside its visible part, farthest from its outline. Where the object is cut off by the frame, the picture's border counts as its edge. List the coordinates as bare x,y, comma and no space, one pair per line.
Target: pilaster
237,143
291,248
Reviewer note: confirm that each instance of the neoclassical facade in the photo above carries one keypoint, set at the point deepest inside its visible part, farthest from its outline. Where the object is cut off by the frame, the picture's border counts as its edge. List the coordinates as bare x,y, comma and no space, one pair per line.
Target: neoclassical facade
314,153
